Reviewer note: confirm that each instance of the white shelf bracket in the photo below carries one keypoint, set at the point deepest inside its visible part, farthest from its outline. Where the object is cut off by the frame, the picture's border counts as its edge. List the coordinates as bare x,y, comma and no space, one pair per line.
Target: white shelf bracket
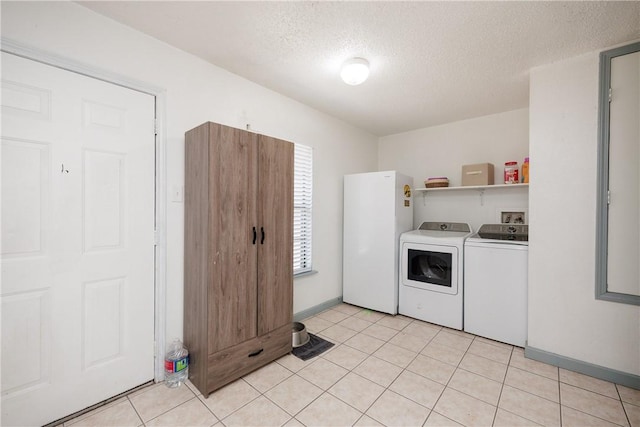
424,198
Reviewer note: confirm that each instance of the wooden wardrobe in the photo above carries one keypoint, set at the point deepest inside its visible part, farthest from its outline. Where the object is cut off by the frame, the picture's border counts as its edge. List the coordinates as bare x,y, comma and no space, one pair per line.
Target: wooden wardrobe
238,288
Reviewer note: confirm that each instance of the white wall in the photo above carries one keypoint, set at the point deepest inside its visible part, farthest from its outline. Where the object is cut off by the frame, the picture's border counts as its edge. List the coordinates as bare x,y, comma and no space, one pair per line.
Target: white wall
197,92
442,150
564,316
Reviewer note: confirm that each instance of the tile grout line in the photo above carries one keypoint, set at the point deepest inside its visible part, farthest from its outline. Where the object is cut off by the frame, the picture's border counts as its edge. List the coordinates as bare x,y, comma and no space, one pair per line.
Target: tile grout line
136,410
349,371
175,407
355,373
622,403
534,394
491,379
243,405
327,390
448,381
435,403
372,355
596,416
293,417
595,392
168,410
442,329
502,389
520,416
560,397
264,394
208,409
337,381
559,403
600,395
495,415
396,377
363,413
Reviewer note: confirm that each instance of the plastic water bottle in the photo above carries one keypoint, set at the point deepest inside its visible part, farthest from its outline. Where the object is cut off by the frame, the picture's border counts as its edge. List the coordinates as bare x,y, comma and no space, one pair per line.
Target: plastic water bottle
176,364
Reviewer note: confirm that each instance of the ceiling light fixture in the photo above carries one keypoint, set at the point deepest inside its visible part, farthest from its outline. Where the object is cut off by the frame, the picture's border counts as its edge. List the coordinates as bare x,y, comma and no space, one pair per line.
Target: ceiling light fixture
355,71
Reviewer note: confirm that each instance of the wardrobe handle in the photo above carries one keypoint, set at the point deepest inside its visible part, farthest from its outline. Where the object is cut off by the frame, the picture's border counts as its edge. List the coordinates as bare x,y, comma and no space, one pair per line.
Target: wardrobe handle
255,353
262,232
255,235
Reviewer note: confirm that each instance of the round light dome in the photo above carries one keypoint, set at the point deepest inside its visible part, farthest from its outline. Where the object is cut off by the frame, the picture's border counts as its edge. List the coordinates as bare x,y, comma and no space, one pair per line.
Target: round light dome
355,71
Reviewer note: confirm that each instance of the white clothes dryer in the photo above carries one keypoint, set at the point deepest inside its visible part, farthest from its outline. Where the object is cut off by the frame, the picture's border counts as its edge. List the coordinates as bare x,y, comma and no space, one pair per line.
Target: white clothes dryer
431,273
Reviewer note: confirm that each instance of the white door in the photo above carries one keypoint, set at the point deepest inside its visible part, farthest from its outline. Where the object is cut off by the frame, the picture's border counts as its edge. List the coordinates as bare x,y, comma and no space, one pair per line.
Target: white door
77,241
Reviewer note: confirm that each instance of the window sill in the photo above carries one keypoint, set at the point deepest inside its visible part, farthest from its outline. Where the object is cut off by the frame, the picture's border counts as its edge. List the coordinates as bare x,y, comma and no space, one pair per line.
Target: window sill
305,273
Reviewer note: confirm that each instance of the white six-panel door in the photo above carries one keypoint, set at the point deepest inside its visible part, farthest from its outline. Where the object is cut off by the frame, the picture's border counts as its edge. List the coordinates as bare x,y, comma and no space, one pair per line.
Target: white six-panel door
77,241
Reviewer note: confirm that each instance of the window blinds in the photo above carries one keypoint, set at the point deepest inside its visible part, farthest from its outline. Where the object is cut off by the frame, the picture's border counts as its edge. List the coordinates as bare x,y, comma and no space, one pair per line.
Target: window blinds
302,200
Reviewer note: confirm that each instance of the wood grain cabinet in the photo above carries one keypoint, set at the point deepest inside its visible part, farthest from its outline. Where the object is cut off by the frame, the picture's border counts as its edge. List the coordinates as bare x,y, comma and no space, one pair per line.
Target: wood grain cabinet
238,289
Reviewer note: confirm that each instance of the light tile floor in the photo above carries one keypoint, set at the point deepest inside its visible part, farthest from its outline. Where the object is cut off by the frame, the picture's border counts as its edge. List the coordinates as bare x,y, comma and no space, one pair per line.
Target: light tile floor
391,371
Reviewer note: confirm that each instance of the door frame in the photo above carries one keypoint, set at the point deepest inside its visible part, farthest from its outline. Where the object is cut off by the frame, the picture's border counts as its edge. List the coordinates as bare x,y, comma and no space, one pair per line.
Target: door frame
160,255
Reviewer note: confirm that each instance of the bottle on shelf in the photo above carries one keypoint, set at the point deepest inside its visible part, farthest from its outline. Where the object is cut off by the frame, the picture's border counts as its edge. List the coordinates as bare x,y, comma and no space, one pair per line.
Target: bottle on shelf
525,170
511,173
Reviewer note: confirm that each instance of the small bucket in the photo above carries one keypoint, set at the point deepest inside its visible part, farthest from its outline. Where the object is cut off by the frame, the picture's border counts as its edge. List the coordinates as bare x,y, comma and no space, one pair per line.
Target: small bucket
300,335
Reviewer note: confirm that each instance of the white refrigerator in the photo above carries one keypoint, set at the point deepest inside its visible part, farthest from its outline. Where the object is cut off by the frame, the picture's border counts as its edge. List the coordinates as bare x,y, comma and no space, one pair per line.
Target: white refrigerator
378,207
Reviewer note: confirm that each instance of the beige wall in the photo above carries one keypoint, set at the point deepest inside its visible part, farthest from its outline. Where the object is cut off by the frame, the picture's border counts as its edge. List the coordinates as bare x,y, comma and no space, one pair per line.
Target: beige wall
564,316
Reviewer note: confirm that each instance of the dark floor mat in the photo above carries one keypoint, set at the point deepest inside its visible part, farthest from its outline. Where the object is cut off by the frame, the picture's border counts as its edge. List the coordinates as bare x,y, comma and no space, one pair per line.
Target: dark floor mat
313,348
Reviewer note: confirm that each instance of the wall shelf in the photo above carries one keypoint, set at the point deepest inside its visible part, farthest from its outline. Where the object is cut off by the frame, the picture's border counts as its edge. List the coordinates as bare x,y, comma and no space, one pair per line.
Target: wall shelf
472,187
479,188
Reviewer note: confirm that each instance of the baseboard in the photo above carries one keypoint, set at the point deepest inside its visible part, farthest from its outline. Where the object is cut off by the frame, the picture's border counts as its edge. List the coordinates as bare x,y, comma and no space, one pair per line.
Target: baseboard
596,371
316,309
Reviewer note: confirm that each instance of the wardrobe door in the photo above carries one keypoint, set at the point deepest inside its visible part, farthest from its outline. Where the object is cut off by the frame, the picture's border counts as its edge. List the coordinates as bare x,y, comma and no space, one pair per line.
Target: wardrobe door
275,219
233,249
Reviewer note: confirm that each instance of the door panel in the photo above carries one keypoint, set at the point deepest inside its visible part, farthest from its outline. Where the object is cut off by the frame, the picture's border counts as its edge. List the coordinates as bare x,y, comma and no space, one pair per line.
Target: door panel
25,100
25,191
102,321
78,180
275,256
30,314
232,296
103,219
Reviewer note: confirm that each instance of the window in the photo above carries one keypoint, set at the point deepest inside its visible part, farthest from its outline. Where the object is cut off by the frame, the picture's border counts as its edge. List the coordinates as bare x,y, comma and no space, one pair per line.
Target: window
302,187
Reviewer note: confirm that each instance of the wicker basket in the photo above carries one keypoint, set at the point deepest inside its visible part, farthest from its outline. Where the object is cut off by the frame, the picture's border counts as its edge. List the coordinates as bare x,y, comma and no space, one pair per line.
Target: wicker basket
436,182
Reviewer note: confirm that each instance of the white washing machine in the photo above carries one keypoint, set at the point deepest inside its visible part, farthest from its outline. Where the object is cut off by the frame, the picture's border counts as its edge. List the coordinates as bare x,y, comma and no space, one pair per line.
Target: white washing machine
431,273
495,280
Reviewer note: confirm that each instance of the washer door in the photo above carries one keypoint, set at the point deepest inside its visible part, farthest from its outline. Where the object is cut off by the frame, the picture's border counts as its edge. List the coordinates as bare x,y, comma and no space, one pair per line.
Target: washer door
430,267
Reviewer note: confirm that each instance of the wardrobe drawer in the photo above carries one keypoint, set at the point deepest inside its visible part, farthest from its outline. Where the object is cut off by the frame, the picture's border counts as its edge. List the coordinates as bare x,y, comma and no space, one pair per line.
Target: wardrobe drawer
232,363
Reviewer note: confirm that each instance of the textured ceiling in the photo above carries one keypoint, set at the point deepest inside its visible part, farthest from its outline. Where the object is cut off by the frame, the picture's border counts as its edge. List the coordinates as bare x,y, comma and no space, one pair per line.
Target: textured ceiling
431,62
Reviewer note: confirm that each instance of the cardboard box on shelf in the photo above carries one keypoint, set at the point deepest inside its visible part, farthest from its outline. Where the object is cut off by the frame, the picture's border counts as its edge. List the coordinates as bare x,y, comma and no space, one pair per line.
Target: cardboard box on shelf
478,174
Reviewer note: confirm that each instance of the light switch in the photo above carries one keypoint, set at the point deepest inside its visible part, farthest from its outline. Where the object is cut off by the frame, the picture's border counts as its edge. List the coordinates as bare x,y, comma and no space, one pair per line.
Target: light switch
177,194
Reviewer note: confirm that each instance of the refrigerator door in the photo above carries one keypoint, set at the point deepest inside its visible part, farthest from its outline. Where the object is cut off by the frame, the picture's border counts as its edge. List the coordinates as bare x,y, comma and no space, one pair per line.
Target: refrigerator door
376,212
